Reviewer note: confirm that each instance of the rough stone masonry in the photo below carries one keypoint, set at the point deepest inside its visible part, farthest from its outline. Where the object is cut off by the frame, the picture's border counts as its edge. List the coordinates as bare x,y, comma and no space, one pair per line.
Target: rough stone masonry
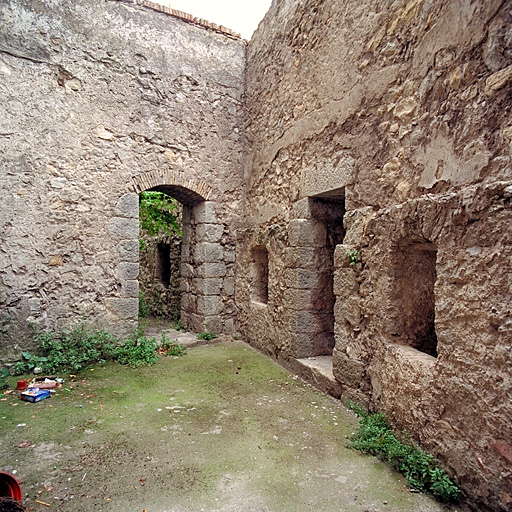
346,180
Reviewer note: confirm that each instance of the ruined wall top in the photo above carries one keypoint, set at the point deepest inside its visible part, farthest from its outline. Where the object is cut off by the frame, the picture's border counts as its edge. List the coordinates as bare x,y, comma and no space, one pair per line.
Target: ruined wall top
189,18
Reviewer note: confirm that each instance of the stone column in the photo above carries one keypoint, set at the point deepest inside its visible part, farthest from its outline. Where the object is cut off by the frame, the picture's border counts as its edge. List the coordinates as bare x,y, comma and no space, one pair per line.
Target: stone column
205,272
124,231
348,366
310,269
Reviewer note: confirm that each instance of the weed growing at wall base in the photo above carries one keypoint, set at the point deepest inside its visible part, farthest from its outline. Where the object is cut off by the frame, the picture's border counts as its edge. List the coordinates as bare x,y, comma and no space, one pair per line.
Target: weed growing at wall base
206,336
375,436
75,349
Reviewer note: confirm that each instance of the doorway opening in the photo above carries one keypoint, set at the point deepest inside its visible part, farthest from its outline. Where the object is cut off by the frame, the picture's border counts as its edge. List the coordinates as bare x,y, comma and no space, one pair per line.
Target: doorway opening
160,244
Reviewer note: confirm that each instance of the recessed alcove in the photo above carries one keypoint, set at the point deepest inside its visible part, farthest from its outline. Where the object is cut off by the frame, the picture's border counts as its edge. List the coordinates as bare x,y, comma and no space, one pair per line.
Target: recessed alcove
259,261
413,295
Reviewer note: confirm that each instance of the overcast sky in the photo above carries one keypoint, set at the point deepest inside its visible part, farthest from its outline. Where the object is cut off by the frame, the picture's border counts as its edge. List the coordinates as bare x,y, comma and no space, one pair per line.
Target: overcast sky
238,15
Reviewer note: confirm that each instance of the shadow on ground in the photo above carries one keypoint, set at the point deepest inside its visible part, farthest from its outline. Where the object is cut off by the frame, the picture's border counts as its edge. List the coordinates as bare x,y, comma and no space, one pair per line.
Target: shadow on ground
220,429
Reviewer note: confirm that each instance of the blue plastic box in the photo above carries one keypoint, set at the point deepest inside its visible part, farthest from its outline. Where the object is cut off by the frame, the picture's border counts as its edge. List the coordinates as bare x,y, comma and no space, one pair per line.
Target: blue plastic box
35,395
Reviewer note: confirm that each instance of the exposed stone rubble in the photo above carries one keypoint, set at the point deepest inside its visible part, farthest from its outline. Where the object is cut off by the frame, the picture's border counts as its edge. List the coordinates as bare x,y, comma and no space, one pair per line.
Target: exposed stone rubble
346,180
397,115
93,112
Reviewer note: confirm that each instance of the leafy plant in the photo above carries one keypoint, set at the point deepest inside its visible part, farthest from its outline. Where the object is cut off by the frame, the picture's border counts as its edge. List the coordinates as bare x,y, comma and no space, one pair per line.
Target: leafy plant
205,335
137,351
75,349
28,363
143,306
354,256
171,347
375,436
158,215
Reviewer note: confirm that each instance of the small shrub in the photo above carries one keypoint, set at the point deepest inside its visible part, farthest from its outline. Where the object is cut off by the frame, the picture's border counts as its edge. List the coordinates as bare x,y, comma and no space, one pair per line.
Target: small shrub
137,351
143,306
75,349
354,256
171,347
375,436
207,336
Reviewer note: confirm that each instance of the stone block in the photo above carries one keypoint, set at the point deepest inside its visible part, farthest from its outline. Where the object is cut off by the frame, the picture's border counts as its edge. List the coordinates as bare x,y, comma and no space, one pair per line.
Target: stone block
330,177
204,213
187,270
209,305
347,371
208,270
341,259
307,322
229,326
193,322
312,258
206,252
348,310
126,271
307,233
209,232
345,283
185,301
185,286
312,344
128,206
128,250
123,308
306,299
213,324
34,305
130,289
301,209
124,229
229,286
211,286
303,279
229,255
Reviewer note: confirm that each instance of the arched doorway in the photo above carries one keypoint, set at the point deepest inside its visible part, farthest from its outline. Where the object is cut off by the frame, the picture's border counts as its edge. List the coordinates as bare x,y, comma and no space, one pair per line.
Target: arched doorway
207,288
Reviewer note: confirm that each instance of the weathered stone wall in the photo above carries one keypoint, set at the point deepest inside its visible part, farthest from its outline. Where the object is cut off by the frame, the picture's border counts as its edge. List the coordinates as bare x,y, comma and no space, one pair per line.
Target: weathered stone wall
392,118
159,277
101,100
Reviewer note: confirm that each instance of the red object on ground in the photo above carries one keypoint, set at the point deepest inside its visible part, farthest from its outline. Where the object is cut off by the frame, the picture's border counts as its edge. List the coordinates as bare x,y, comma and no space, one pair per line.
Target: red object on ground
9,487
22,384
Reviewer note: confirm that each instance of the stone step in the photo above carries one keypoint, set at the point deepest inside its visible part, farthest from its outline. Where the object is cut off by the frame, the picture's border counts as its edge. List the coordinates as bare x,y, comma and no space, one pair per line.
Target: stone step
318,372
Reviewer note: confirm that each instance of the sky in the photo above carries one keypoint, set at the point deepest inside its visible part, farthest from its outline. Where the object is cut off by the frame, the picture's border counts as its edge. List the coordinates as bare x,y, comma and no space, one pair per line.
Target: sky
242,17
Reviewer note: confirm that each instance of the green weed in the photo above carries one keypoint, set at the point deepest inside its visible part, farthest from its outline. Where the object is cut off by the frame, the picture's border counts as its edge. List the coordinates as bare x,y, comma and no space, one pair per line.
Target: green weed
354,256
375,436
205,335
78,348
171,347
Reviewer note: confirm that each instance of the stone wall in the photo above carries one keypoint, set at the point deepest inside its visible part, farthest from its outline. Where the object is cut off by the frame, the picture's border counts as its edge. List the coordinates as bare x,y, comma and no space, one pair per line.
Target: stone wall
378,173
100,101
159,277
369,212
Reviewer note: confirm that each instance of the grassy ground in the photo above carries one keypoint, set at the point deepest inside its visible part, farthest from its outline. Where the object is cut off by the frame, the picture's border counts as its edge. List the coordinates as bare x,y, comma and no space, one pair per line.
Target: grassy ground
219,429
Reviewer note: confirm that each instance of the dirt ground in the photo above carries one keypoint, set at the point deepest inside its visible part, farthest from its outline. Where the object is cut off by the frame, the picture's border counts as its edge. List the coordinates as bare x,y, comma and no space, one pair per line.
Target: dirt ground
220,429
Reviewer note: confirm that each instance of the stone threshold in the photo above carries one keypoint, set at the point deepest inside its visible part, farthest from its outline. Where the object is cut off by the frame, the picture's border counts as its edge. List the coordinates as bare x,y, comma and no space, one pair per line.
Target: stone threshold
317,371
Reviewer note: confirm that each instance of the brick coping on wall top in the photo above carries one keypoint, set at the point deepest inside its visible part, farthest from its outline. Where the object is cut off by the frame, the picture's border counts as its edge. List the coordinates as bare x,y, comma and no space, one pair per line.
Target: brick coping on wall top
186,17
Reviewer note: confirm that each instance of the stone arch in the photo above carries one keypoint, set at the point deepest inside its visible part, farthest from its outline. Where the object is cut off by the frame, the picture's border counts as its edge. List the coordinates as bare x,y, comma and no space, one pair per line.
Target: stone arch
206,266
174,183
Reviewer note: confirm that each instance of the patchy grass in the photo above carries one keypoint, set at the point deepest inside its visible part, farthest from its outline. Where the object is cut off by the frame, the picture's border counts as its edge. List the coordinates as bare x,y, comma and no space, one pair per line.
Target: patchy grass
222,429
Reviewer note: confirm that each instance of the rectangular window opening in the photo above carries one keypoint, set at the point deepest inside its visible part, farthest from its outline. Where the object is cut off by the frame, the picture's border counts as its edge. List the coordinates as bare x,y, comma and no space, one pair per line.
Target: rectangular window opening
260,275
415,276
